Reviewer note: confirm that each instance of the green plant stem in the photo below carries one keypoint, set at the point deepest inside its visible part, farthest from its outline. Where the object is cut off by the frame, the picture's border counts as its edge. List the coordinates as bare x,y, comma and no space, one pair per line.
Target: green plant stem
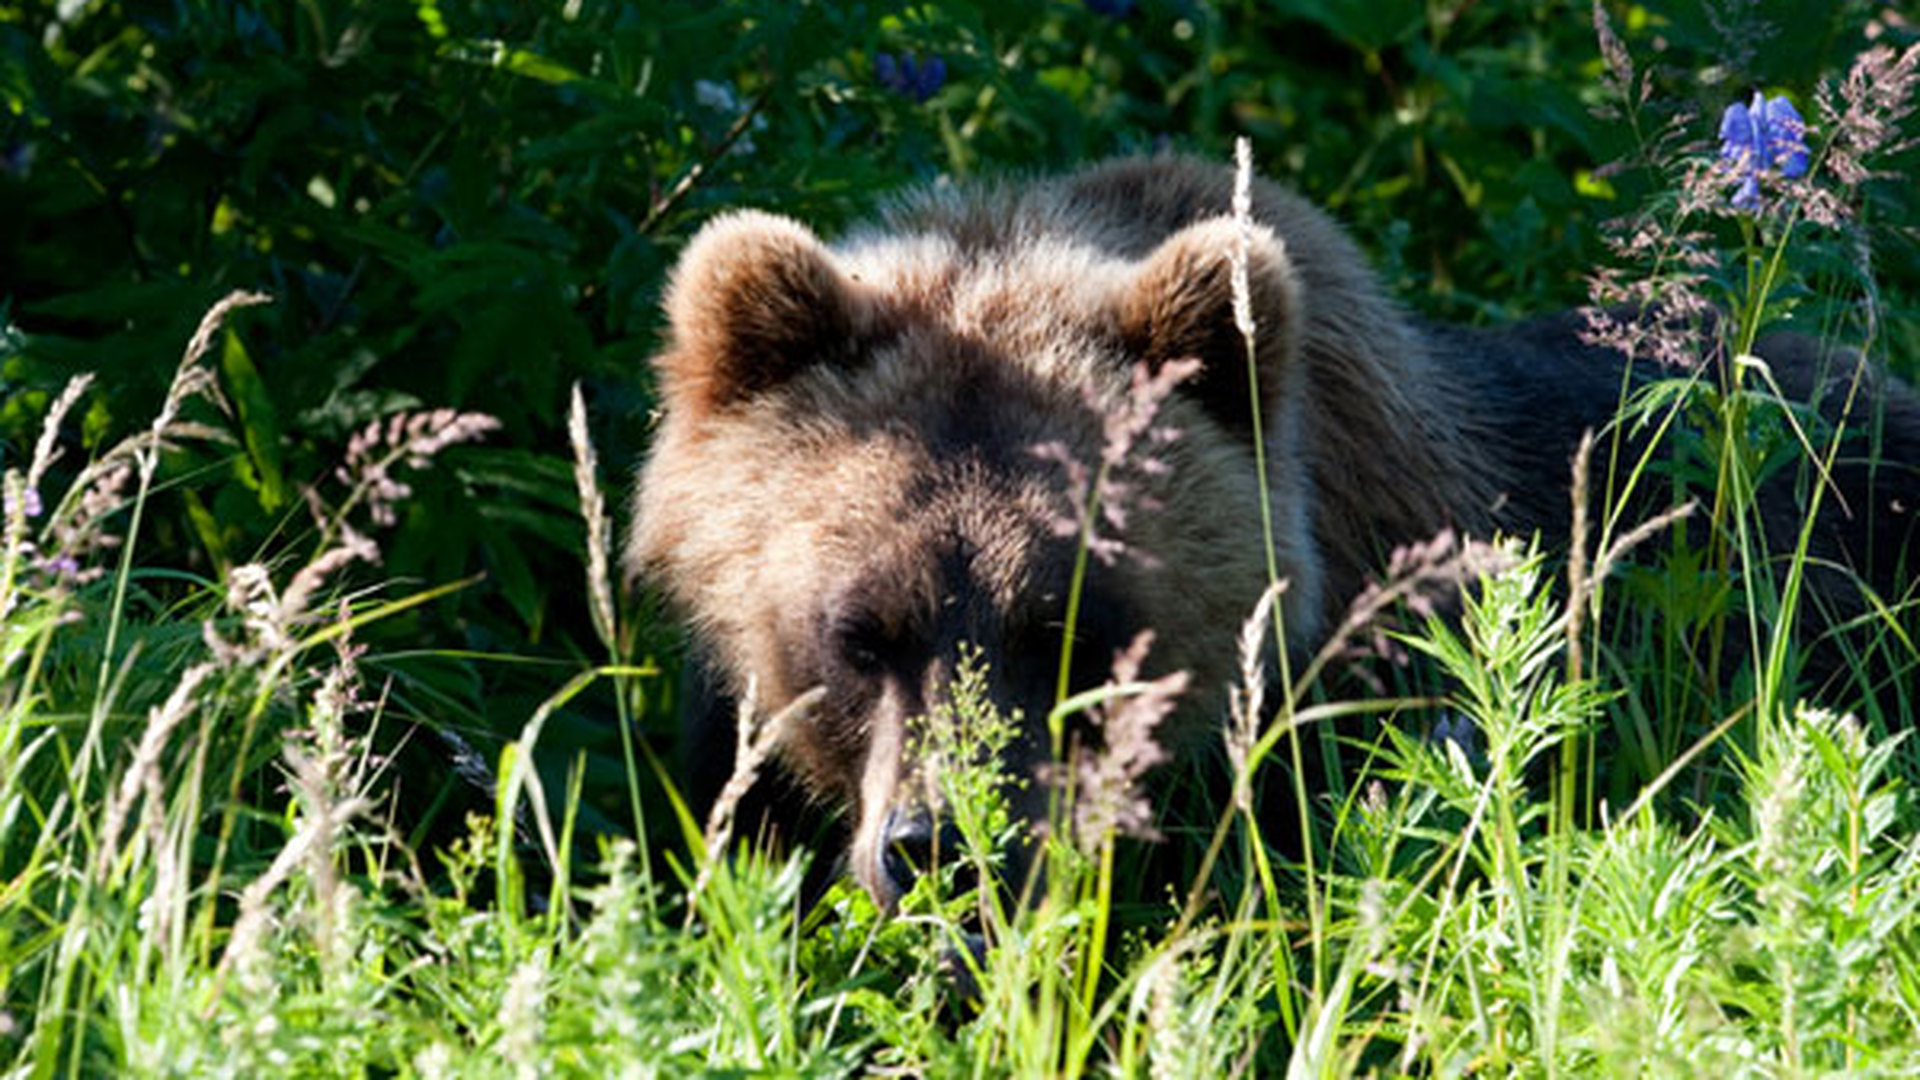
1071,620
1301,807
1094,962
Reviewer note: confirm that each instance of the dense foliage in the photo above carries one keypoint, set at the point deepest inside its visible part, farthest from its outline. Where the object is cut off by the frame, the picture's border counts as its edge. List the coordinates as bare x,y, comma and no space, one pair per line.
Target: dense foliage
472,207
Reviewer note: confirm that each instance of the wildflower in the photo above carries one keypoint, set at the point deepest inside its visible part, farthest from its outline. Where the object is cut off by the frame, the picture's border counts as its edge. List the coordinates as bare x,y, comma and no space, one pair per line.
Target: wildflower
519,1019
1766,134
27,505
1112,9
908,77
65,566
73,537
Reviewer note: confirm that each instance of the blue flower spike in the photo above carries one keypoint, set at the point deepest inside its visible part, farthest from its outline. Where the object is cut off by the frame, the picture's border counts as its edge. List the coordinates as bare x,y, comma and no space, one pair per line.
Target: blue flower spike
1765,134
908,77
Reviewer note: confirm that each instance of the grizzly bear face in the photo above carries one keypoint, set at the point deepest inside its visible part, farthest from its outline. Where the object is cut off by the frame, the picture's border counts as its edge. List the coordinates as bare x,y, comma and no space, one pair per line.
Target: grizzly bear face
844,489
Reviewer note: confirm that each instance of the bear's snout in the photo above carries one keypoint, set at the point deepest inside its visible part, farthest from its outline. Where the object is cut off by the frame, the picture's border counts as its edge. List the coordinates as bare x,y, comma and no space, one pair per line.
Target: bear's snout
913,843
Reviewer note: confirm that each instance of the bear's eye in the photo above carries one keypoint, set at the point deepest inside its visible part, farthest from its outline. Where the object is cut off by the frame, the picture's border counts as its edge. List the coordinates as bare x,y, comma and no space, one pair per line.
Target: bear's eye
865,644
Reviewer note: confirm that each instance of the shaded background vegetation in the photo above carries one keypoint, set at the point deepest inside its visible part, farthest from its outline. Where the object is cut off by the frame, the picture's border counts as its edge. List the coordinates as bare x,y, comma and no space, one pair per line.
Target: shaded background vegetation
474,205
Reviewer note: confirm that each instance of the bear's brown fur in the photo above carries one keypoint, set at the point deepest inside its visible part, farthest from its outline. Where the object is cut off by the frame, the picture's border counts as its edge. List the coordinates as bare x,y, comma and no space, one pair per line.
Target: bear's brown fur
843,488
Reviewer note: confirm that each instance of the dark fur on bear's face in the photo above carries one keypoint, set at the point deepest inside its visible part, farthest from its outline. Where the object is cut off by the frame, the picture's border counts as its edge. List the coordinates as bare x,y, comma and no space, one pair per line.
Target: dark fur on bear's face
843,489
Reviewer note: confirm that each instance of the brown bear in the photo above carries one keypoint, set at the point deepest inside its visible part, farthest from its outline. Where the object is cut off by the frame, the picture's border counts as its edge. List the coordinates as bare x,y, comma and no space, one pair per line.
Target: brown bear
844,487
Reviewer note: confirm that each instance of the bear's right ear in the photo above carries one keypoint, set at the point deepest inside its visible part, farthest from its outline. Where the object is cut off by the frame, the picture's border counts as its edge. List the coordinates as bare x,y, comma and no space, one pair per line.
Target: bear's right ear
755,299
1179,305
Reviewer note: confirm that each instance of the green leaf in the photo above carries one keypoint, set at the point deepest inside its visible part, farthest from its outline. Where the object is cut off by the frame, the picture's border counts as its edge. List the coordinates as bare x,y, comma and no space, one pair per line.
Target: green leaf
522,62
1367,25
259,424
515,580
207,528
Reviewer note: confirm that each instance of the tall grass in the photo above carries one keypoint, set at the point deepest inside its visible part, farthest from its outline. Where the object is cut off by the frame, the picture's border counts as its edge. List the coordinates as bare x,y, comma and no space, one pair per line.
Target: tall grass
201,874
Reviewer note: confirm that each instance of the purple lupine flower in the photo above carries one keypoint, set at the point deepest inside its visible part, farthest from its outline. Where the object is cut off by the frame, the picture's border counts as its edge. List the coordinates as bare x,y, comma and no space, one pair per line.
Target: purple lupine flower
908,77
65,566
30,504
1112,9
1766,134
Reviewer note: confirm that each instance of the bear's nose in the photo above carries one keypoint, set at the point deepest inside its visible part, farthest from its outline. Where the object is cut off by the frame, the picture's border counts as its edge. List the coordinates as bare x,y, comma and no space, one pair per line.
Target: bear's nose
913,843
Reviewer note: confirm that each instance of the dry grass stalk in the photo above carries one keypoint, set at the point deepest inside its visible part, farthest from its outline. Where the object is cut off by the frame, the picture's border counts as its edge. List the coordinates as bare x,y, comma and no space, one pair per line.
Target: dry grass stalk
1239,257
314,838
352,547
47,450
23,500
1420,576
756,742
143,773
191,379
1103,495
1577,557
593,507
409,438
1584,579
1109,799
1634,538
1246,702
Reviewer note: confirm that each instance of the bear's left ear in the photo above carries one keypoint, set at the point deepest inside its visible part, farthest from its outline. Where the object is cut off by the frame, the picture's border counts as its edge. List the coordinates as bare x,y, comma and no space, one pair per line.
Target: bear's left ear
1179,305
755,299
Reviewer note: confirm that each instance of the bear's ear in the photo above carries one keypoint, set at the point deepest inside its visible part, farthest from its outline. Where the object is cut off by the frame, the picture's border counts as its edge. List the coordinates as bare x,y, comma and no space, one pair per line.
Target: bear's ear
1179,305
755,299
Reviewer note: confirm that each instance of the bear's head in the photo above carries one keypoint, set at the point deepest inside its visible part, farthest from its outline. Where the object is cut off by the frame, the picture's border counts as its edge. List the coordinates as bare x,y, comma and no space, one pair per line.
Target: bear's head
844,490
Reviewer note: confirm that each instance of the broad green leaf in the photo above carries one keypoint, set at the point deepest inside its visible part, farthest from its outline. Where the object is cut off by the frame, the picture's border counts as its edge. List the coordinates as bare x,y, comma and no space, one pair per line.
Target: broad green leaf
259,423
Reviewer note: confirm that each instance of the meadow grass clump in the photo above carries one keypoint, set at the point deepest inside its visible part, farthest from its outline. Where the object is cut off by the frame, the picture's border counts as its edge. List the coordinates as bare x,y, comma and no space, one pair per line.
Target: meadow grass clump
204,866
1482,917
